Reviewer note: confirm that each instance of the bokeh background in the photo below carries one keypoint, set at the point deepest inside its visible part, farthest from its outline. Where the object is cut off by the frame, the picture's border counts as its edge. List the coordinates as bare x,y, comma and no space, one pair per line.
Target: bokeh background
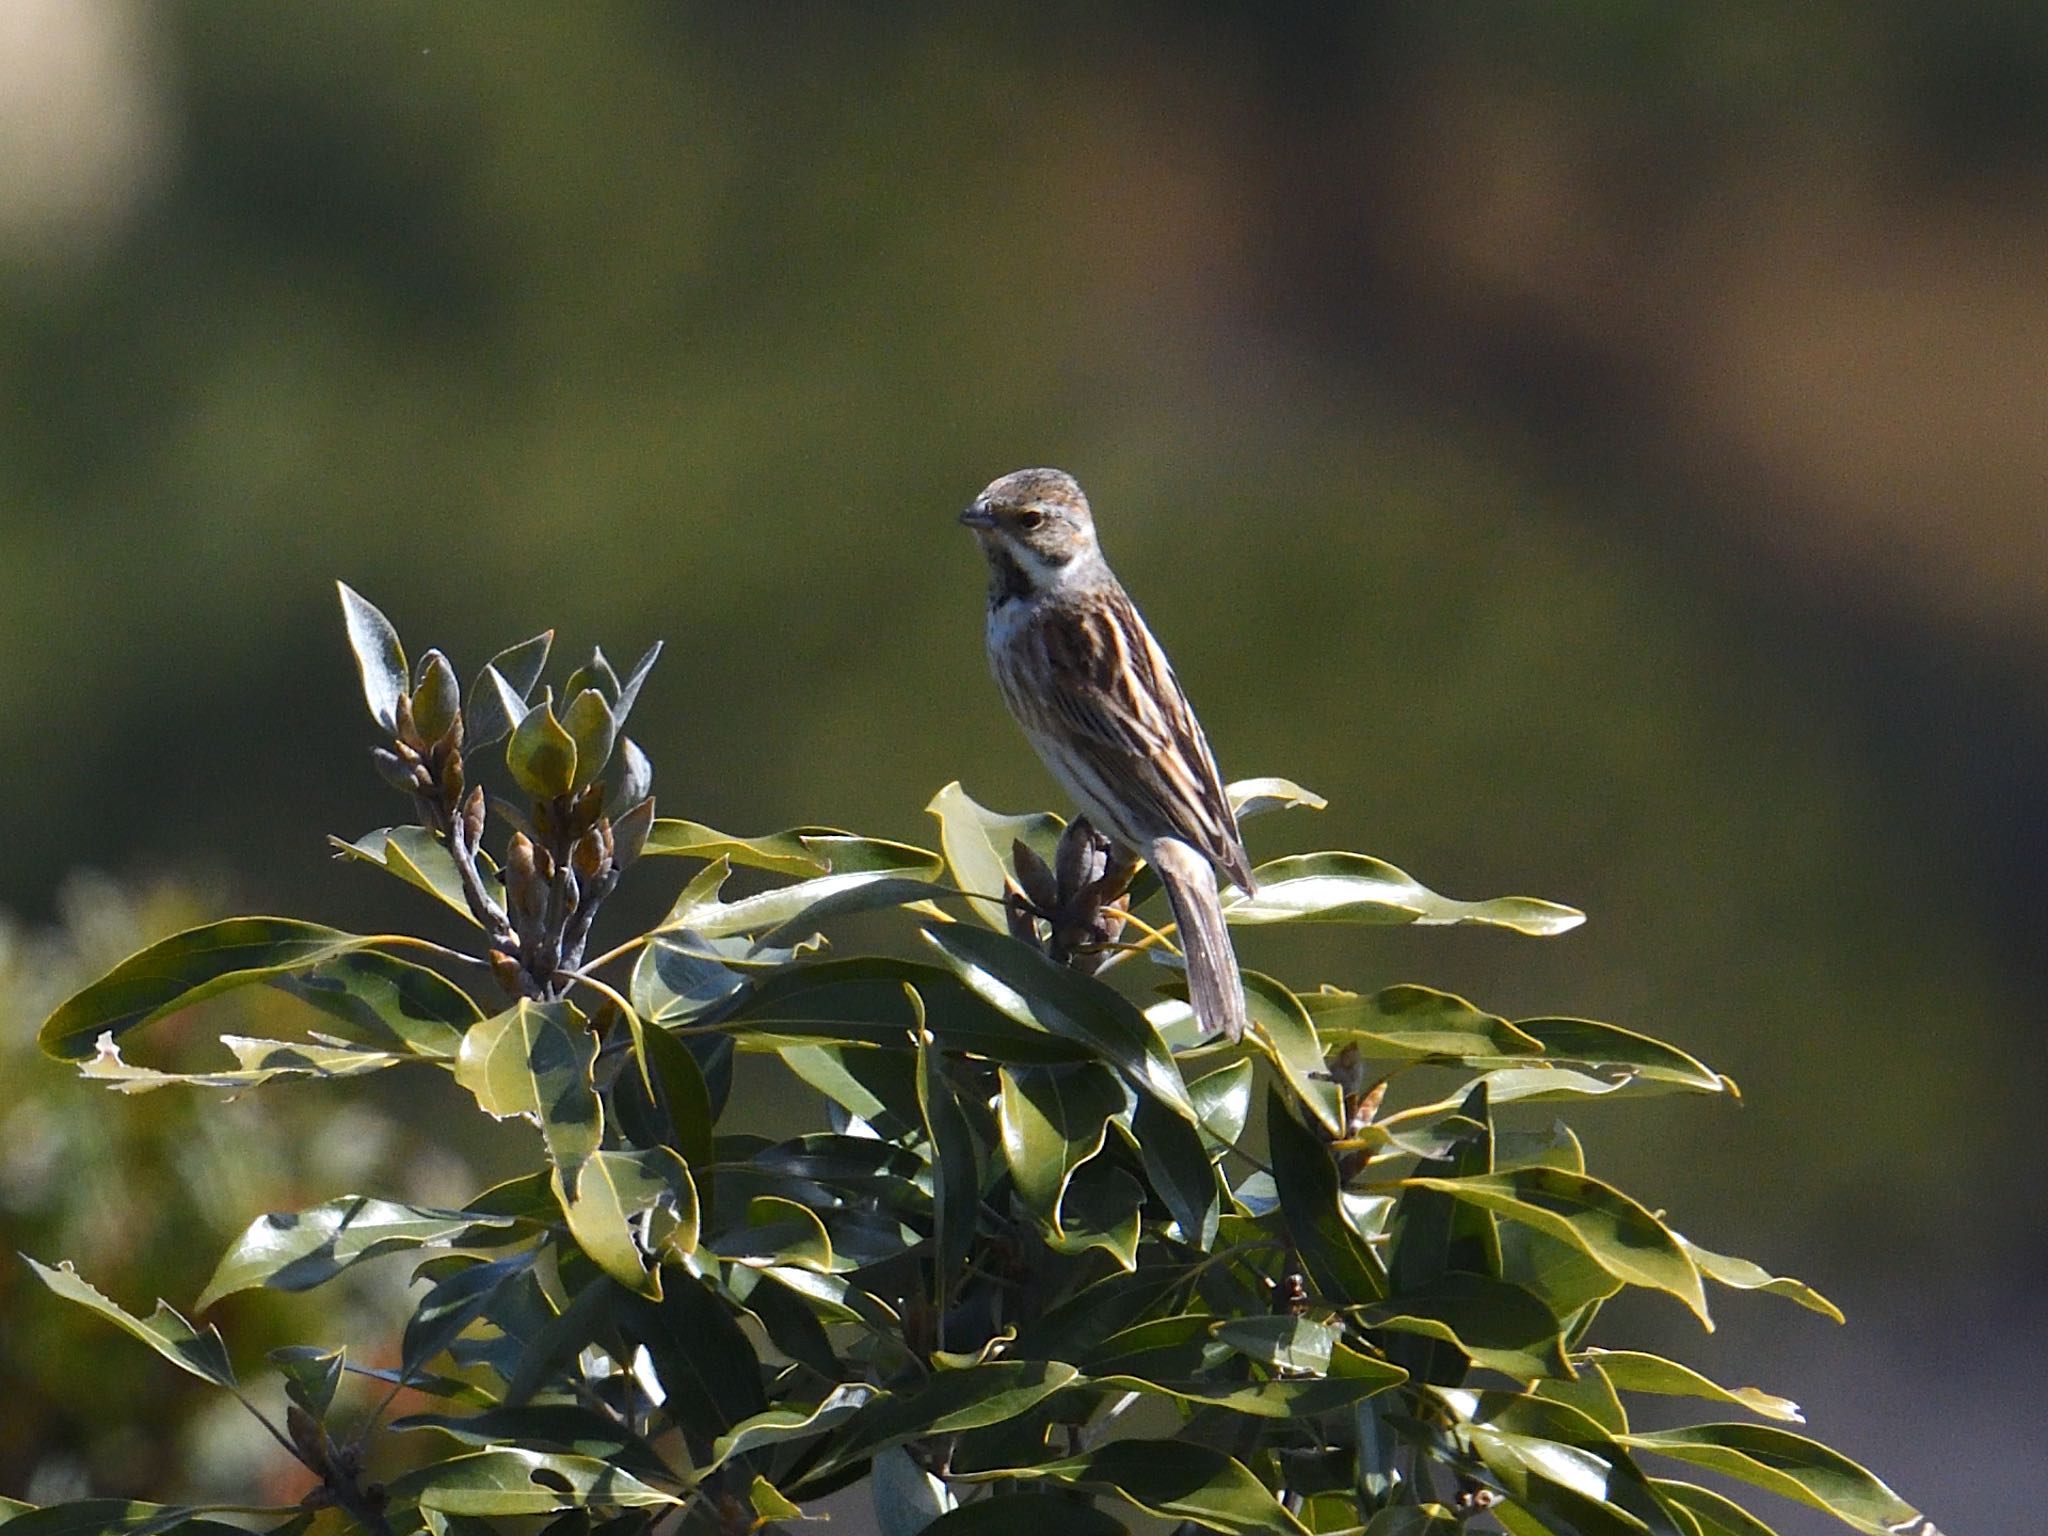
1601,447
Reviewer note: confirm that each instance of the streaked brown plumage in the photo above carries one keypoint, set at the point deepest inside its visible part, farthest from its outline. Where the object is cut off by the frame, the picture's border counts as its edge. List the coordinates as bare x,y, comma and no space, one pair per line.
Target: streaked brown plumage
1099,702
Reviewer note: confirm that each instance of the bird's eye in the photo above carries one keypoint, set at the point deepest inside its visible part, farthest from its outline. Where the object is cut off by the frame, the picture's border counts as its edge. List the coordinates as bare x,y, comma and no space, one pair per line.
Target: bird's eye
1030,518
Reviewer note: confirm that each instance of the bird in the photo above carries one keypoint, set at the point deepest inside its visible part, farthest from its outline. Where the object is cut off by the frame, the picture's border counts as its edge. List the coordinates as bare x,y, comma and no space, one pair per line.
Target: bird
1099,702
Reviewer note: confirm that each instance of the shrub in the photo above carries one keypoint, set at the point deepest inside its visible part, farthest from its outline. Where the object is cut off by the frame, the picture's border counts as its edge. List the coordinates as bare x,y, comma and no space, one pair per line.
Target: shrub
1048,1256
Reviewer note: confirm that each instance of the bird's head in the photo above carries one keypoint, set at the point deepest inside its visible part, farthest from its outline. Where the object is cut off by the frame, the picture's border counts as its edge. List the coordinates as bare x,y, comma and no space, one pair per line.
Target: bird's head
1035,519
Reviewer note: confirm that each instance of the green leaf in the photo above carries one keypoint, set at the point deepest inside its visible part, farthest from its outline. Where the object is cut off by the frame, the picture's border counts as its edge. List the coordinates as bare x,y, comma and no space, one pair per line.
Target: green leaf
777,1426
310,1375
454,1303
1610,1046
1255,797
792,911
1283,1030
1299,1345
675,981
629,689
1020,982
707,1368
195,1350
259,1061
534,1060
1792,1465
119,1517
1223,1102
798,851
1570,1490
1414,1520
1615,1232
1361,1376
956,1178
417,857
379,657
1415,1022
437,698
1742,1275
1713,1514
540,755
297,1250
568,1428
497,699
1173,1479
508,1482
1052,1120
948,1402
976,842
1101,1210
609,1191
1177,1166
521,665
322,964
1352,888
589,722
1498,1324
1337,1259
904,1496
1631,1371
1026,1514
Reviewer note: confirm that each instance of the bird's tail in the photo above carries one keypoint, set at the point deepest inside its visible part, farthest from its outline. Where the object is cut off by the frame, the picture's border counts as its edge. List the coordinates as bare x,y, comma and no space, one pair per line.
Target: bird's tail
1214,986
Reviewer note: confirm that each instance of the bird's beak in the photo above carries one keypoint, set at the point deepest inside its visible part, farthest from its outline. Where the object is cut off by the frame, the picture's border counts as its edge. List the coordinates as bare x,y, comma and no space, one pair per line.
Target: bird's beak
978,516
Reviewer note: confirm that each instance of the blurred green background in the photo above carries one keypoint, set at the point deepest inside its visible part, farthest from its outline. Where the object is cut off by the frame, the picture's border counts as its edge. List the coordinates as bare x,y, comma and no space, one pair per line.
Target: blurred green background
1599,446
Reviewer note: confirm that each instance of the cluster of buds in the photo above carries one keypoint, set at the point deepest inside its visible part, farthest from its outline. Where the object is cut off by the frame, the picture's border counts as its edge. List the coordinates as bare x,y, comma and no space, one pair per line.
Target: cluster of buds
425,755
1075,908
555,880
1361,1098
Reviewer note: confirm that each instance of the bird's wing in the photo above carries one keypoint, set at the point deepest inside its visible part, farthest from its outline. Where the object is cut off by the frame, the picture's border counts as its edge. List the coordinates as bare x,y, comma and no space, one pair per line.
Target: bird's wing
1123,710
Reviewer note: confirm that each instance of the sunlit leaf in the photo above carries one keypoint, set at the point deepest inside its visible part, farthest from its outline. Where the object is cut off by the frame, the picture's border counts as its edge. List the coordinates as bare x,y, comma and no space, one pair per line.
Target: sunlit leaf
1792,1465
1353,888
1615,1232
976,842
1417,1022
507,1482
1498,1324
589,722
1282,1029
417,857
333,968
311,1375
1255,797
196,1350
1631,1371
1742,1275
948,1402
610,1190
1026,1514
541,755
121,1517
1714,1514
297,1250
799,851
379,657
259,1062
1052,1120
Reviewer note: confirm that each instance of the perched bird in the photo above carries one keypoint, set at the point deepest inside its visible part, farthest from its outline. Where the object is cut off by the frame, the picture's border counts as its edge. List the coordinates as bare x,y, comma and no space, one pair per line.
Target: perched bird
1099,702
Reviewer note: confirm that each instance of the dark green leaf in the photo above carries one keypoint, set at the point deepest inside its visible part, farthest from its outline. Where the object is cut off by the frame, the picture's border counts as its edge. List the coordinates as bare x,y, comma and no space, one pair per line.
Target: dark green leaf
1792,1465
196,1350
534,1060
310,1375
1498,1324
1352,888
1052,1120
635,679
379,657
702,1358
976,842
565,1427
1178,1168
453,1304
948,1402
777,1426
1223,1102
1282,1342
675,981
1018,981
1337,1259
497,700
118,1517
297,1250
956,1180
1713,1514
